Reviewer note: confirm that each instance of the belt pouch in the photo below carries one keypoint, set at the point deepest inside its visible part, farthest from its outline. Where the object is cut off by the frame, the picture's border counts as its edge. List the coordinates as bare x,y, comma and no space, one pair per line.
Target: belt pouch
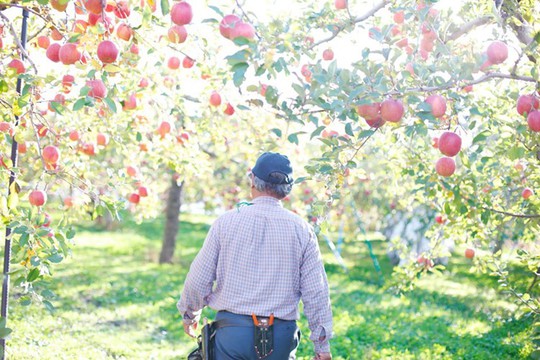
263,336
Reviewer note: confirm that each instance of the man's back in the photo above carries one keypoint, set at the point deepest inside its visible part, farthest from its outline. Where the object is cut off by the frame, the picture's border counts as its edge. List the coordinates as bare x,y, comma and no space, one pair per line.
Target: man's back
260,253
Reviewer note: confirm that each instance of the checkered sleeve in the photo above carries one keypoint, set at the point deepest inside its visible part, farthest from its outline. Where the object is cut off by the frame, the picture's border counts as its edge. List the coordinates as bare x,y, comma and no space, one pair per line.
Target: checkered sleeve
315,295
200,279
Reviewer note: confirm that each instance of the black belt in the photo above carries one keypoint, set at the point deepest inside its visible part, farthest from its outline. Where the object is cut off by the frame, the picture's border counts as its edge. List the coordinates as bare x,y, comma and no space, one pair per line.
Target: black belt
241,321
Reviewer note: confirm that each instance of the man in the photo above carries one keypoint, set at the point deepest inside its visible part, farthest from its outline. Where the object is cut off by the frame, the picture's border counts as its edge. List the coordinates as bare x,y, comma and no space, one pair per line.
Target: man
260,260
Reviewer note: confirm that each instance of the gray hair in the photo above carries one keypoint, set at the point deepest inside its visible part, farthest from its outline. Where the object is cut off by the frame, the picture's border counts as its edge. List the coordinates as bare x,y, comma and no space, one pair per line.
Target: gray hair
277,190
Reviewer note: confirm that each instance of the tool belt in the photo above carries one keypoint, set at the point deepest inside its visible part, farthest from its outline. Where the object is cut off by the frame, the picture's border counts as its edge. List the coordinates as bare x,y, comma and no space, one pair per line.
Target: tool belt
263,337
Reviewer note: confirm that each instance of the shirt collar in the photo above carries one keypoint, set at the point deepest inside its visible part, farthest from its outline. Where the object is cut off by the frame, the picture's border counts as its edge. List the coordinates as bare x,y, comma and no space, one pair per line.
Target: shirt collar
267,200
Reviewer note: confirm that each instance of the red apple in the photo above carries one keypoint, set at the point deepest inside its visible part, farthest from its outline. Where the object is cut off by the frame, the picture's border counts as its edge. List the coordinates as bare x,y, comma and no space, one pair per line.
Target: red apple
67,82
74,135
88,149
17,65
94,6
527,193
402,43
439,219
79,26
188,62
124,32
392,110
226,24
56,35
59,6
68,201
51,154
533,120
132,171
229,110
43,42
177,34
102,139
134,198
427,263
527,103
445,166
215,99
181,13
242,29
497,52
143,191
164,128
143,83
328,55
68,54
121,10
369,111
134,49
449,143
399,17
469,253
435,142
37,198
438,105
97,89
340,4
107,52
375,122
130,103
173,63
22,147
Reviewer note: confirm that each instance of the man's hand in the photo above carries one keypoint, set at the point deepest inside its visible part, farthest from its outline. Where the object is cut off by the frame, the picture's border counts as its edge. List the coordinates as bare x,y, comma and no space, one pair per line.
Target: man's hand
323,356
190,329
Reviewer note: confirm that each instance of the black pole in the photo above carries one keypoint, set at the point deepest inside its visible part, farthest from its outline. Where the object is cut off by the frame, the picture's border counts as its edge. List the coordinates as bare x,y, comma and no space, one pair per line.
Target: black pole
14,157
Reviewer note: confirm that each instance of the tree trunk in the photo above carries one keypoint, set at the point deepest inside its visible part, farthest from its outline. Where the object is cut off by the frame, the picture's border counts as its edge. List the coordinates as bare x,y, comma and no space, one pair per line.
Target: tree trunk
172,222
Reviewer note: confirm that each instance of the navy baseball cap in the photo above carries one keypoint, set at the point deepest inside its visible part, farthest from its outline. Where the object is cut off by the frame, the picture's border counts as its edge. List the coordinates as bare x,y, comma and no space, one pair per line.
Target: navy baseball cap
270,162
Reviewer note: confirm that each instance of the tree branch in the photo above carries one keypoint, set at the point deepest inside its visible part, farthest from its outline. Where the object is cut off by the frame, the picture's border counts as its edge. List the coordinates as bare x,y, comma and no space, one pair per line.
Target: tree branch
486,77
353,21
523,216
17,40
465,28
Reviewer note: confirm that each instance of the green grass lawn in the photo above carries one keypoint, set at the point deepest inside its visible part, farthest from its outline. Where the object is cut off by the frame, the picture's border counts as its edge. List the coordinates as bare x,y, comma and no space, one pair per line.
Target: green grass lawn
115,302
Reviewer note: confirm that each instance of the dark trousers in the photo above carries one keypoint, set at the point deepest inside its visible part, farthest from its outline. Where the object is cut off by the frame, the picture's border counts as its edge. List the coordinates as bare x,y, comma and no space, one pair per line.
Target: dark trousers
236,342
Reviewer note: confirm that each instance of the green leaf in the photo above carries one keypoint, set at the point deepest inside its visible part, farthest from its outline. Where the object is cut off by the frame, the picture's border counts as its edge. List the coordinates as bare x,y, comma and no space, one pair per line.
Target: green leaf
480,137
238,57
79,104
5,332
210,20
317,131
277,132
271,95
32,275
217,10
293,138
3,86
43,2
239,73
349,130
110,103
55,258
57,107
300,180
23,240
165,7
49,306
485,217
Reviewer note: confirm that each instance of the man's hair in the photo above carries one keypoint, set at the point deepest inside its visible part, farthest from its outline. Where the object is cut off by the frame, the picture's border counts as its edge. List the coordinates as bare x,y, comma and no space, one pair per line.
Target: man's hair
277,190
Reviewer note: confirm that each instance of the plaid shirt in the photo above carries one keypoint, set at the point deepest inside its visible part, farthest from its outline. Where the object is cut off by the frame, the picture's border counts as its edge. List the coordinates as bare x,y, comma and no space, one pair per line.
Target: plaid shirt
263,259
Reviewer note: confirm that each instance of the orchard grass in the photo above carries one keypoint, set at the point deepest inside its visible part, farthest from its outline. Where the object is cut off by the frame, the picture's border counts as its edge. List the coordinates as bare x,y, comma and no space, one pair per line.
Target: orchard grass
115,302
